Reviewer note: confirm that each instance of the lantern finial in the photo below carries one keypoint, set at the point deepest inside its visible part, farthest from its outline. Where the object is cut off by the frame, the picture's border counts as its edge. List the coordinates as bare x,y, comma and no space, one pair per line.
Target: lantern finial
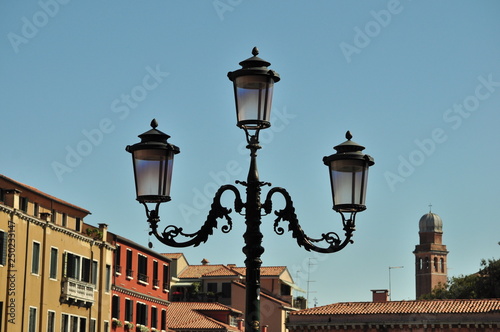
154,123
255,51
348,135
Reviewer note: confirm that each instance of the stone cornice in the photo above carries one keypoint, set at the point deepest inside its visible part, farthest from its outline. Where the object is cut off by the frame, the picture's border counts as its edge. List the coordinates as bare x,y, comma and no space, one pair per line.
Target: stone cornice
140,295
42,223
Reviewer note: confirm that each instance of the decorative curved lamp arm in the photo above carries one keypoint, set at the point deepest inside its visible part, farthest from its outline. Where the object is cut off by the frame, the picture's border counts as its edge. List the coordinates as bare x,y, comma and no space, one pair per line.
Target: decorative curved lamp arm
217,211
288,214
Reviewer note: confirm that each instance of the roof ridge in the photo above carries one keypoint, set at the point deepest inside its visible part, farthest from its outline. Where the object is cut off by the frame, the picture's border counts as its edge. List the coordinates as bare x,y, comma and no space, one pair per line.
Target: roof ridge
444,306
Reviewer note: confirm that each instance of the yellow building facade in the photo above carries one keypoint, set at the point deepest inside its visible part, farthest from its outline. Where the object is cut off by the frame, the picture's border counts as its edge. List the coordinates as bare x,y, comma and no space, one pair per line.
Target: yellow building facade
54,268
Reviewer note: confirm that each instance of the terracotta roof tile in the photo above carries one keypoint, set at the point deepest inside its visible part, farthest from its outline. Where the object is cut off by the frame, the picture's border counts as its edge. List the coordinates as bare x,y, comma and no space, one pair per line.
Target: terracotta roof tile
405,307
189,315
264,270
197,271
223,271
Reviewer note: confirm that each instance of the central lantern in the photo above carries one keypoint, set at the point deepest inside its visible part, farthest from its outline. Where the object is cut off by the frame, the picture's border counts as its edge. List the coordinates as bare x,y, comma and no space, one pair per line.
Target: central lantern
253,92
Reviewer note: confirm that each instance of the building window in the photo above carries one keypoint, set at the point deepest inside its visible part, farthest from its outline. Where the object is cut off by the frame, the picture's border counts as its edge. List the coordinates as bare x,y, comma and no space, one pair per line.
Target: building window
73,324
51,318
32,320
286,290
65,323
166,280
154,317
212,287
92,327
94,272
23,204
36,210
118,267
35,261
226,289
86,272
141,313
83,324
79,268
3,248
233,321
129,310
53,263
163,319
78,224
115,307
107,287
129,271
442,265
156,282
142,268
2,195
106,326
436,268
64,220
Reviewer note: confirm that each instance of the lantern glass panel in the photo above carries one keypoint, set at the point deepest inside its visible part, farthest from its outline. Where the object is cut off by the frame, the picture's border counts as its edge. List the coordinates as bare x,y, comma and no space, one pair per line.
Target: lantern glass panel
254,95
153,171
348,179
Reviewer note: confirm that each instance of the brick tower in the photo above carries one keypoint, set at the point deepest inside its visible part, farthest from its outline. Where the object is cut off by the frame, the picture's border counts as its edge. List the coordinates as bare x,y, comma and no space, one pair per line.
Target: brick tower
430,255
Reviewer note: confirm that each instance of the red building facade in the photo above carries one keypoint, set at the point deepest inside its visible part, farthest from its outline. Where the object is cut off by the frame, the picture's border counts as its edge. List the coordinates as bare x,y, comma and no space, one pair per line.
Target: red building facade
140,288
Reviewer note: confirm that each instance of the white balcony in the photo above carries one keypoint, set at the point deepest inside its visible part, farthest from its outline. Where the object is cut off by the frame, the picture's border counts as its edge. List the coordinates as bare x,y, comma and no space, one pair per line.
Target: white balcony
78,291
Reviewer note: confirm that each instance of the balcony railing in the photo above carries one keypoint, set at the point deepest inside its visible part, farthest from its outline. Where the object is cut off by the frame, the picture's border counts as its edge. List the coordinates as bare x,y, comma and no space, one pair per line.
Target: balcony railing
130,273
78,290
118,269
142,277
156,282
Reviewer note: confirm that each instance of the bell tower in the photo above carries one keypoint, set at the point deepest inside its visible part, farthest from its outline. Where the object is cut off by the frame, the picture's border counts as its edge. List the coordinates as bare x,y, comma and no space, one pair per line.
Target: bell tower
431,266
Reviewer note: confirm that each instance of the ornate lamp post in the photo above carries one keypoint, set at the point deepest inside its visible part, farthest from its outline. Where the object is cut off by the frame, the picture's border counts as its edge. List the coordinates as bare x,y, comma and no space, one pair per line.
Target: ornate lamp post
253,87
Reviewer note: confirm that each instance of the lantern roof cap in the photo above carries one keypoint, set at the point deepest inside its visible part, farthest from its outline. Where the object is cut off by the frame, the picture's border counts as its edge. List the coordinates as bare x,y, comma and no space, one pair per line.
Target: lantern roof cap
349,150
153,138
254,61
254,66
348,146
154,134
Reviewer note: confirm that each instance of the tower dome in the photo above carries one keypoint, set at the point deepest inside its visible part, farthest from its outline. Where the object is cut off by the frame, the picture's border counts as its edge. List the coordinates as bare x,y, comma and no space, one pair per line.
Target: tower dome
431,222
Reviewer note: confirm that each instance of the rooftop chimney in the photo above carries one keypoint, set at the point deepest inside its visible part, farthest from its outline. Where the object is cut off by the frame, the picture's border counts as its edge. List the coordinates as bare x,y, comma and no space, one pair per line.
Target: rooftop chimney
380,295
204,261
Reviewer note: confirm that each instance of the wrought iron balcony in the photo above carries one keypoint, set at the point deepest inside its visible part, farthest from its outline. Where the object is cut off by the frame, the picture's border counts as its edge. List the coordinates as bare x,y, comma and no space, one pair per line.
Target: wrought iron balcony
142,277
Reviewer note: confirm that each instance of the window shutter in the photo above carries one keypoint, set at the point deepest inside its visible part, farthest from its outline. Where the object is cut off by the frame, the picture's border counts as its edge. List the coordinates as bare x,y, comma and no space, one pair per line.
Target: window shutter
3,248
65,265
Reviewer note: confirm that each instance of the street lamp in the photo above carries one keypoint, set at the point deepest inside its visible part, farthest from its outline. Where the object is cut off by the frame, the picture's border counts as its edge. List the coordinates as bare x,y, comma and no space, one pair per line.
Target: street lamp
253,87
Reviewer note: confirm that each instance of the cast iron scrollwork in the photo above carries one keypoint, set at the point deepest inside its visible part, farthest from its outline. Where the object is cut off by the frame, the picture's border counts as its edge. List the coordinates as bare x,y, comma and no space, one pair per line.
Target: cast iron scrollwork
217,211
288,214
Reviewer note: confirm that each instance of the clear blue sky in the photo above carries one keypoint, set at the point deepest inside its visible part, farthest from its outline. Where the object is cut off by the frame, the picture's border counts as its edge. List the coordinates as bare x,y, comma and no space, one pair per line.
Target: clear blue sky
416,82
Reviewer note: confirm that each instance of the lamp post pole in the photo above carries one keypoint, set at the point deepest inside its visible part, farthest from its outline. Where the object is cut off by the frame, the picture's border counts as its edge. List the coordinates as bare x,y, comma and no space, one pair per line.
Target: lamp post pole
253,243
348,169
